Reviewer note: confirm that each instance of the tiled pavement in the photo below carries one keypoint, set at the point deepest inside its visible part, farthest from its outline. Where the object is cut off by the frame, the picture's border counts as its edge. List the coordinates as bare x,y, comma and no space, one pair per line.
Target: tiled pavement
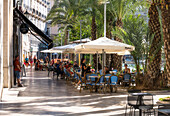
44,96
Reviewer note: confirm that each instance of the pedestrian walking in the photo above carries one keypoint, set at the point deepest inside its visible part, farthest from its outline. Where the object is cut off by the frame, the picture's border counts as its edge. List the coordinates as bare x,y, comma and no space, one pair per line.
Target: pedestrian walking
31,60
26,61
17,70
35,59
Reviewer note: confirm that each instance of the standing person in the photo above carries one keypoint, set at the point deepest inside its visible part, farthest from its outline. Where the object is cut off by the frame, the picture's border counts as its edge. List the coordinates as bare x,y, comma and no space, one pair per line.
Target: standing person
17,70
83,67
26,61
31,60
35,59
47,60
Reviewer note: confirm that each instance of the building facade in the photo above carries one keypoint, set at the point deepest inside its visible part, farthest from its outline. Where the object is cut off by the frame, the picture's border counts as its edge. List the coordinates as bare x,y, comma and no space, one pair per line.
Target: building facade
36,12
12,41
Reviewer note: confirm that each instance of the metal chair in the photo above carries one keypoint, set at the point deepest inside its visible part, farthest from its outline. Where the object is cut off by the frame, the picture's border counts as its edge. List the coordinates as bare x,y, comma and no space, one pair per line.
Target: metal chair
115,71
126,79
113,83
50,69
132,101
147,105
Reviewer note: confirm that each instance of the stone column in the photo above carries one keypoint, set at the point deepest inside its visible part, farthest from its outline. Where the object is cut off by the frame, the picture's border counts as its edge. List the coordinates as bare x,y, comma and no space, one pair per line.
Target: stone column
1,47
7,43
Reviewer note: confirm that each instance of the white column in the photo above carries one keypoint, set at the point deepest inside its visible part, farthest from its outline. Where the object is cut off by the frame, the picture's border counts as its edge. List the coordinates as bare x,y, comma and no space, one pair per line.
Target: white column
1,48
8,43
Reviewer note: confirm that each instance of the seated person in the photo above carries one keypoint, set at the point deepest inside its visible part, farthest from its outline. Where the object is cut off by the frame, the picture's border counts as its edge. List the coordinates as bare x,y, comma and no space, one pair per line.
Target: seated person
38,66
88,69
106,70
70,69
59,69
75,65
126,70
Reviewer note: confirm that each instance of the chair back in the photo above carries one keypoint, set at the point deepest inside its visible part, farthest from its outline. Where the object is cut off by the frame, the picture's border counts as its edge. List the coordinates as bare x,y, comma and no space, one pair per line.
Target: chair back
101,79
100,71
148,100
133,101
115,71
113,80
76,76
93,78
108,75
87,76
126,77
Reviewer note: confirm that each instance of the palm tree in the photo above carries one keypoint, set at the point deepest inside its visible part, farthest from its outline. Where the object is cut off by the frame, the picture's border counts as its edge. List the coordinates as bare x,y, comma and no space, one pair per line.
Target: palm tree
119,9
155,28
63,13
93,8
165,8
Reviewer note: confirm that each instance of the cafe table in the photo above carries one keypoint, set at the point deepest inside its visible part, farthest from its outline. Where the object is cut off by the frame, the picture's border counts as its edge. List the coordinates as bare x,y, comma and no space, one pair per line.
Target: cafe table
166,112
140,99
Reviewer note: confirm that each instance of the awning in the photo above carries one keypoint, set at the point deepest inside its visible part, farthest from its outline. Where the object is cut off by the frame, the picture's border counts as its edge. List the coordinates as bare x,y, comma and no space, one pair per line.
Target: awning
46,40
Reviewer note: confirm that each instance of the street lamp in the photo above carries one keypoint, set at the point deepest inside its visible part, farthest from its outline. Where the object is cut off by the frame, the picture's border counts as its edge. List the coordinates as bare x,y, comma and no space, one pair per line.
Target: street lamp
105,3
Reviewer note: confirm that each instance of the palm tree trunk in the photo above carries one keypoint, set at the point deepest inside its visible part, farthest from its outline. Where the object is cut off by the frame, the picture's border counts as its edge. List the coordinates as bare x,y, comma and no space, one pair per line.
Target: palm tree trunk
66,37
155,50
109,35
93,34
117,60
165,8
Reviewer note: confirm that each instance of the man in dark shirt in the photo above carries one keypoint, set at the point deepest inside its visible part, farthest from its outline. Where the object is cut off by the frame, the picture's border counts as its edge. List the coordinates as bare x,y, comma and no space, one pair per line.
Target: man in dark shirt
59,69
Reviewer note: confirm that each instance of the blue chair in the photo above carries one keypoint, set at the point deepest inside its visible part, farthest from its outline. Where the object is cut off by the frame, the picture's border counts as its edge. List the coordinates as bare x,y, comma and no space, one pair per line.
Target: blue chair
93,81
107,79
100,72
113,83
115,71
126,79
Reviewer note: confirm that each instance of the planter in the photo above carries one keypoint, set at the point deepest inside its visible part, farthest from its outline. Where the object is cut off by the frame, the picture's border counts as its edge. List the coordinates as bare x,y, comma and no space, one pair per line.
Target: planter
165,100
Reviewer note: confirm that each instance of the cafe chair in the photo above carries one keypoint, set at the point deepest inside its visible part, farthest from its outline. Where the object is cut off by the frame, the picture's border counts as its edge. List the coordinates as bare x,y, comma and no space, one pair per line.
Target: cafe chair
164,110
55,72
100,72
126,79
113,83
87,80
107,81
96,82
115,71
50,69
132,102
147,105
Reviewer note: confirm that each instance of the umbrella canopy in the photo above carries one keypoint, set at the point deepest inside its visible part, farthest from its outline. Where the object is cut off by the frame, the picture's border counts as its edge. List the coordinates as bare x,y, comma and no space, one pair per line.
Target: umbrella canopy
65,49
49,51
82,41
103,43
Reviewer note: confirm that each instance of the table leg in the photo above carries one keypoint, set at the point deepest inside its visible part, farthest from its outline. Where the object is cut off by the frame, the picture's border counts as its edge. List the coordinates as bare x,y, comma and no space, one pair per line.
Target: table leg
140,112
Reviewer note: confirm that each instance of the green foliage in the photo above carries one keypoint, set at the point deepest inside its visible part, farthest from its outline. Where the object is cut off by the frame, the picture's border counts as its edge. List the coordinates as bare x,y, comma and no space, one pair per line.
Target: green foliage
165,99
135,33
